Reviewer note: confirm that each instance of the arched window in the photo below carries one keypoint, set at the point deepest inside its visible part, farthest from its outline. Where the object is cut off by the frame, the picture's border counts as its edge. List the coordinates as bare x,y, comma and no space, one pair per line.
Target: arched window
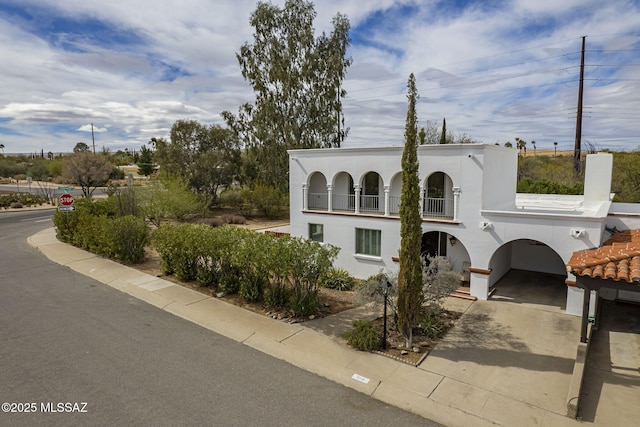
438,201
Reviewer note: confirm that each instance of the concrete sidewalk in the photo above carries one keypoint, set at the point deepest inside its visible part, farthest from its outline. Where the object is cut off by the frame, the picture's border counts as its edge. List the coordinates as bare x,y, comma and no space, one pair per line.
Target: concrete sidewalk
501,365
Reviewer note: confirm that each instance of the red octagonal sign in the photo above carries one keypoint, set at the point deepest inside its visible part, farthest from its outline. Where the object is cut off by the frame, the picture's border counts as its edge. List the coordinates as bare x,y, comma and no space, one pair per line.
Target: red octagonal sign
66,199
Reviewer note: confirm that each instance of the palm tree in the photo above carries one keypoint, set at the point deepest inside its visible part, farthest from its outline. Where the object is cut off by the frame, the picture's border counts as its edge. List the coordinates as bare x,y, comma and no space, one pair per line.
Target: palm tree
534,147
555,148
521,144
2,148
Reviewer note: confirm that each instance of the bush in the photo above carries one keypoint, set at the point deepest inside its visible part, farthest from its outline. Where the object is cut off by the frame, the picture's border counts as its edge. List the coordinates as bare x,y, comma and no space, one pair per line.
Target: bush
164,242
126,239
229,279
276,296
544,186
241,261
269,201
252,287
91,232
19,200
231,198
233,219
179,248
339,279
304,302
364,336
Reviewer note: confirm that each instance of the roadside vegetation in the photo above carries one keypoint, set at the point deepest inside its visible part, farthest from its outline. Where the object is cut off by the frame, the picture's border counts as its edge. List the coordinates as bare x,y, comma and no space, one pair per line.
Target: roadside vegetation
283,273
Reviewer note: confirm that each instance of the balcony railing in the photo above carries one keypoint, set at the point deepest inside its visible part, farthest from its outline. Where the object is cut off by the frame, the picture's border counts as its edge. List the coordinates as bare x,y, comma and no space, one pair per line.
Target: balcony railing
441,208
344,202
438,208
369,203
318,201
394,205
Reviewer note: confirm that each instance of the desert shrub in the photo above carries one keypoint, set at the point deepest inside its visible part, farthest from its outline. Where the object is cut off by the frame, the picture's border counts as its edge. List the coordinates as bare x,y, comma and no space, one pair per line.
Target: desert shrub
231,198
431,325
233,219
164,240
545,186
252,287
229,279
126,238
186,251
276,296
96,227
339,279
268,201
91,232
438,282
10,168
125,200
304,302
169,198
18,200
283,272
107,206
207,258
306,262
364,336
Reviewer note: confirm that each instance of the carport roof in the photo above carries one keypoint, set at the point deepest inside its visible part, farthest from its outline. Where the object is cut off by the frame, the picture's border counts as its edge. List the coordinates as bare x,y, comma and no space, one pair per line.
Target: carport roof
618,259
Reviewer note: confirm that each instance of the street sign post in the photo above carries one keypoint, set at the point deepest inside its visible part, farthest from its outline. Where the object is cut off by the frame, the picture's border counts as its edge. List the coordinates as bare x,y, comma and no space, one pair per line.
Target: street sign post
66,208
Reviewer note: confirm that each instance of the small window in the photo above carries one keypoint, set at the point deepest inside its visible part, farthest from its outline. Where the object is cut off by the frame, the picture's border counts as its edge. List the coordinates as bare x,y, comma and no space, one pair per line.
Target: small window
368,242
316,232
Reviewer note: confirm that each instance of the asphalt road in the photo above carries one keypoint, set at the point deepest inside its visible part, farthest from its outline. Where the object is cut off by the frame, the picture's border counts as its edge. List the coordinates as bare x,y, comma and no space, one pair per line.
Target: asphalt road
69,343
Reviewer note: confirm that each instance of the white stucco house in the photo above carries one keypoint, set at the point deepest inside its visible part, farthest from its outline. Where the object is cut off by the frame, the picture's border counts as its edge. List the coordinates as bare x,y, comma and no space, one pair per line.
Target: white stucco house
350,198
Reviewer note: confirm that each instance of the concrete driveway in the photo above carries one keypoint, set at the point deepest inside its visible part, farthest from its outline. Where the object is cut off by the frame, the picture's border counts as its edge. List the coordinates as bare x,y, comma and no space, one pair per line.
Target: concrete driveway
511,359
611,388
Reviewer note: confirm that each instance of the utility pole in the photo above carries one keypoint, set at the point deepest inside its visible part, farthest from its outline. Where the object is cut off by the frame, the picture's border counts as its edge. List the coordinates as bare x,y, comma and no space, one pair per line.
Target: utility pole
576,148
93,139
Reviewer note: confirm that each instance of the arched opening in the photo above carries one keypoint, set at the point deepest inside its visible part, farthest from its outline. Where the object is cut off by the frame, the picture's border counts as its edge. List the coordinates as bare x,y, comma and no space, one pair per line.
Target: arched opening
370,194
317,197
343,195
395,193
438,200
529,271
434,243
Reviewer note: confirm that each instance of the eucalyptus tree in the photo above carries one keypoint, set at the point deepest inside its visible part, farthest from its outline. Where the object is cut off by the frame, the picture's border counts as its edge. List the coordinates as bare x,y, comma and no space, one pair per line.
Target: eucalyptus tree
297,79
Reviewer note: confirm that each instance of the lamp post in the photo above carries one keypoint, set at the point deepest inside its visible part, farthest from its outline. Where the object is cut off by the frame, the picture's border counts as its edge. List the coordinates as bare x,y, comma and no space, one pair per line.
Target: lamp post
385,285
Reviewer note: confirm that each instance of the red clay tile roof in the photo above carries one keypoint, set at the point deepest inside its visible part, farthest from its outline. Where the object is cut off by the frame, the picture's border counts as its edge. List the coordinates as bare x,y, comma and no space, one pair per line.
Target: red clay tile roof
618,259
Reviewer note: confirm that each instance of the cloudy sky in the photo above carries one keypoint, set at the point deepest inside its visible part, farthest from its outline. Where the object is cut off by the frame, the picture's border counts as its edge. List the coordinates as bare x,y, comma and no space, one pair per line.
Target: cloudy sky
495,70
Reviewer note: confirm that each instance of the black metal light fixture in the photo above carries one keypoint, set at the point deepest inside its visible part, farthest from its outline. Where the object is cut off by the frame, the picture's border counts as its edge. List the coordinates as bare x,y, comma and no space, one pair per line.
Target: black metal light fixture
453,240
386,286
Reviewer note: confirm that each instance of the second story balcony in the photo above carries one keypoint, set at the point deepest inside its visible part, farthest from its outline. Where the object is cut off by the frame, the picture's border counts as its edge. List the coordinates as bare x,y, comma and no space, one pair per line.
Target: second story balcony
438,198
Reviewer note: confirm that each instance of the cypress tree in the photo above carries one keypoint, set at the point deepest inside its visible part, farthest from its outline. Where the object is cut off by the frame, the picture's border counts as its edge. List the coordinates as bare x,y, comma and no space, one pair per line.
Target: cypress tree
410,275
443,135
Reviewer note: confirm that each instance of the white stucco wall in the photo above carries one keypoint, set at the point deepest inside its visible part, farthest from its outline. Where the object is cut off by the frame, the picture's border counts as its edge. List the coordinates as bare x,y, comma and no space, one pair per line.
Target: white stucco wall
493,226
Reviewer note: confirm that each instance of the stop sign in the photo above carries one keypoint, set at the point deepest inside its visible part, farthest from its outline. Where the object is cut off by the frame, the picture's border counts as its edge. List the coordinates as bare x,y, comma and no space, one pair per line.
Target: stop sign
66,199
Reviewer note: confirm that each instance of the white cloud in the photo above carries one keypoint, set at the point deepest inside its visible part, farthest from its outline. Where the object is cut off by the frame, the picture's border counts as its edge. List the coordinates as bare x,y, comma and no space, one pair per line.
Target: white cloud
494,72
